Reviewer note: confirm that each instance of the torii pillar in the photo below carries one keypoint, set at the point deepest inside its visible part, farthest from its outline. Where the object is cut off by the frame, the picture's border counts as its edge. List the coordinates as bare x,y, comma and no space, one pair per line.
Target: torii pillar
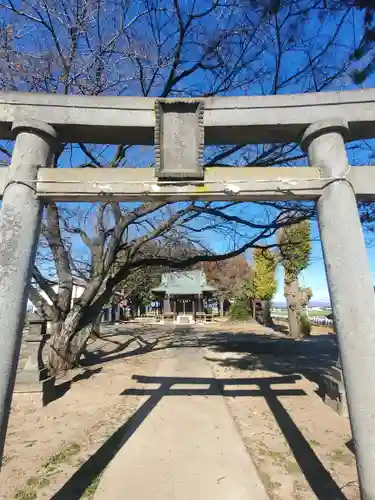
350,287
20,219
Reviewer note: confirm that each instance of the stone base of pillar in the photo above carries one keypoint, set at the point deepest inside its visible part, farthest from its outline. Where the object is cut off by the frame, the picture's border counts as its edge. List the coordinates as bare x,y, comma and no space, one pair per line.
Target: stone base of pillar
332,390
31,376
40,392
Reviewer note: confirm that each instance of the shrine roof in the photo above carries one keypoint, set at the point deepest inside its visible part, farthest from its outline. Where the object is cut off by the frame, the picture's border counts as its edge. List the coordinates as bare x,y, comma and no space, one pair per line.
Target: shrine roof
184,283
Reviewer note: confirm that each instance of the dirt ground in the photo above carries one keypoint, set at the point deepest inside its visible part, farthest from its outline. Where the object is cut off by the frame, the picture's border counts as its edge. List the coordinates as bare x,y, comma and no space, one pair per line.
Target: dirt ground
299,445
46,446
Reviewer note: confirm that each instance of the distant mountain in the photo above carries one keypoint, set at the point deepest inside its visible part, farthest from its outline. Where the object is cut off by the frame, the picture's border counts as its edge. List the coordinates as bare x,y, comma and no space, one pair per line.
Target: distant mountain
320,303
313,303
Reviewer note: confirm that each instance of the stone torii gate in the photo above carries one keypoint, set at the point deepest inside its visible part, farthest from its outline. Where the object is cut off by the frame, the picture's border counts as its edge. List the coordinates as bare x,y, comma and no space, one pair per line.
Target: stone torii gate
180,129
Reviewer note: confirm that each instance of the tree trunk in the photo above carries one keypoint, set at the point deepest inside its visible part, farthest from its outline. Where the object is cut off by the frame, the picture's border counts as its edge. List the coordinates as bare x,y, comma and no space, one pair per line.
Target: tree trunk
293,305
70,337
294,328
95,327
267,313
252,307
68,342
261,312
221,301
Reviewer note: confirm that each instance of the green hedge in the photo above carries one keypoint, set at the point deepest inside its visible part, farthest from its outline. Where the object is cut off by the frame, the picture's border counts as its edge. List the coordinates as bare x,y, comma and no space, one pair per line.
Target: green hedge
239,310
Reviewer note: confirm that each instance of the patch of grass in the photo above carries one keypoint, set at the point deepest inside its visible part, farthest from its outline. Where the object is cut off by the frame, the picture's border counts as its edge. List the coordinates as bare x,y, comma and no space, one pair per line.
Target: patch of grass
315,443
32,485
280,458
48,469
268,483
32,481
261,449
38,482
291,467
25,494
63,455
43,482
90,491
299,490
6,459
276,455
319,312
342,457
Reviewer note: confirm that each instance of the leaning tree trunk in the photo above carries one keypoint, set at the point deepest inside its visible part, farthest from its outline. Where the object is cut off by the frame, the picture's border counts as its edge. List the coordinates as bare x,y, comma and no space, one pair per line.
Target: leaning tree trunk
267,313
70,338
68,341
293,306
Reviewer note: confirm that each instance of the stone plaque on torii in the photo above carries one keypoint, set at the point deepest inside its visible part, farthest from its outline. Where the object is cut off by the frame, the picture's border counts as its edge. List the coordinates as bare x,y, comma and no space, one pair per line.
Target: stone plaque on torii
321,123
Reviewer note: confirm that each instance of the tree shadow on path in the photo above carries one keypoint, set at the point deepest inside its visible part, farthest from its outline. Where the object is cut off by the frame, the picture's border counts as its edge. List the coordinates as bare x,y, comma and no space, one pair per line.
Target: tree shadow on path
311,357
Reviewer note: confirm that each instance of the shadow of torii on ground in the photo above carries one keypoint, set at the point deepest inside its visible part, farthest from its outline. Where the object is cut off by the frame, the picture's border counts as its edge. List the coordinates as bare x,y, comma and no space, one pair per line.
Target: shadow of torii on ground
319,479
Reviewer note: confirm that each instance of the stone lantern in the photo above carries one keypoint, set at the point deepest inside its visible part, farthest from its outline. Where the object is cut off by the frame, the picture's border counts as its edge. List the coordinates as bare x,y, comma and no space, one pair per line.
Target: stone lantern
32,377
